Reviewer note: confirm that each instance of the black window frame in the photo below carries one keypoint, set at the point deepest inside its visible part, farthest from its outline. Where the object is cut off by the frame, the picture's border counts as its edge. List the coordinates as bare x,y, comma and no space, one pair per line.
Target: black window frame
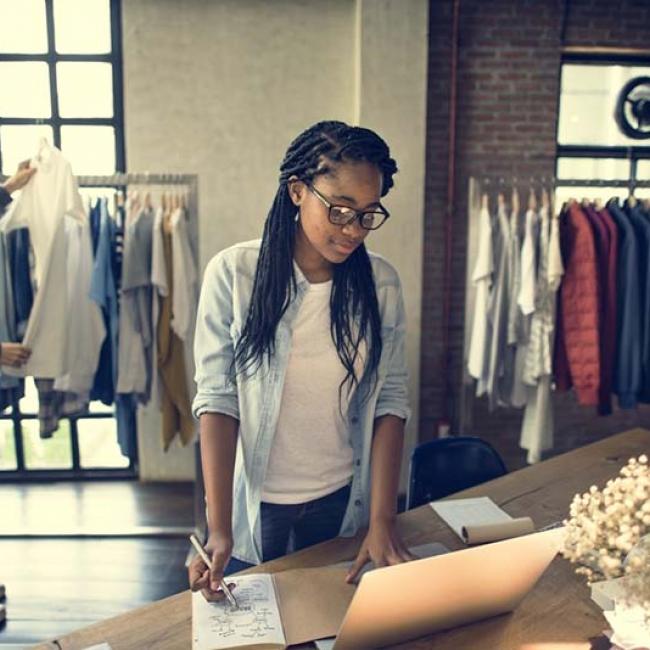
632,153
52,57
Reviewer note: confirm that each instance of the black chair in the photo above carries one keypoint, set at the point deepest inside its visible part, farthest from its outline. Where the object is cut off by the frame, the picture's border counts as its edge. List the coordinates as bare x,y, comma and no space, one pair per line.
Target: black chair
448,465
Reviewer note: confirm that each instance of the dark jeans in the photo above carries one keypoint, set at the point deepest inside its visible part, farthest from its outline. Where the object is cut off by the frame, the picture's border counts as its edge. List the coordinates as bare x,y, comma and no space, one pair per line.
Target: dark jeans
310,523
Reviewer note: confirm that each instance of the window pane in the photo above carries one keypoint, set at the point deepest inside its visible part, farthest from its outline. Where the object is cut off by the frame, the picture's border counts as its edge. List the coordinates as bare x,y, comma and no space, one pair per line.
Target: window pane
25,89
82,27
90,149
18,143
29,403
588,101
22,27
593,168
52,453
643,170
85,89
98,444
7,445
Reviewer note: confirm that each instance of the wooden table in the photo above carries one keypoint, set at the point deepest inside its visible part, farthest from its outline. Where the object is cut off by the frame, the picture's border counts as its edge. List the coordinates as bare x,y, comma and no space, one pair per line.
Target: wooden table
556,615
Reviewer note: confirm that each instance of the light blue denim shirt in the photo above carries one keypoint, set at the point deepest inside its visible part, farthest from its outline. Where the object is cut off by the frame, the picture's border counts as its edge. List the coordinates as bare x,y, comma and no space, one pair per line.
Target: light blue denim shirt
255,400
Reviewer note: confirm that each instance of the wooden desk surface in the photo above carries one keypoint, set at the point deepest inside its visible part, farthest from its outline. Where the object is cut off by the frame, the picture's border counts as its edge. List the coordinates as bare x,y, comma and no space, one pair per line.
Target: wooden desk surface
556,615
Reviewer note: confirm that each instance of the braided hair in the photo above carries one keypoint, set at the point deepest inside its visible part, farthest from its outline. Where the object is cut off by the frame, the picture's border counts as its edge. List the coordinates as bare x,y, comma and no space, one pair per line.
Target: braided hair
354,297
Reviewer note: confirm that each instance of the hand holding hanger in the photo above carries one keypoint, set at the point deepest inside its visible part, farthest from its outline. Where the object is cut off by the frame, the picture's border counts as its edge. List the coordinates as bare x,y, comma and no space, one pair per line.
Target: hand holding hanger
20,178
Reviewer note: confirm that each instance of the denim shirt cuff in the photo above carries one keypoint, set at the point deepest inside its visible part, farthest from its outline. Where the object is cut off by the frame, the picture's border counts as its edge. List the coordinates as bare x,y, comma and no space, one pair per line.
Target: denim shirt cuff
226,404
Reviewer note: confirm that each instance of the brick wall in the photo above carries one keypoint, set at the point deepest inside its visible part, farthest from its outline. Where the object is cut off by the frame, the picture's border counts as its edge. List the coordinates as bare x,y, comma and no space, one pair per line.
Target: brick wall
508,87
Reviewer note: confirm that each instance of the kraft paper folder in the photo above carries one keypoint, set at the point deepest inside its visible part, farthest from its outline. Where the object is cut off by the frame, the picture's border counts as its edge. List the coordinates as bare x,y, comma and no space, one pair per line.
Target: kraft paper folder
271,614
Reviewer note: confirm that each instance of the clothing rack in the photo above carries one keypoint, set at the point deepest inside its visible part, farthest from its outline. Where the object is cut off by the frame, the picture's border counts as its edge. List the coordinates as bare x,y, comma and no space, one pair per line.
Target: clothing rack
122,180
477,186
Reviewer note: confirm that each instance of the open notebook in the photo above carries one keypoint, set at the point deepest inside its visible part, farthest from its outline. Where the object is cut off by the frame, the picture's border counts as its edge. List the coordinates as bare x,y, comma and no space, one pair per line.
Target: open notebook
281,609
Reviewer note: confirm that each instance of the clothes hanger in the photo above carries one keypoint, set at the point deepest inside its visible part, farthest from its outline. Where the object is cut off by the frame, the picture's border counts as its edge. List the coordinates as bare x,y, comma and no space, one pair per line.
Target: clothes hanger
515,200
545,199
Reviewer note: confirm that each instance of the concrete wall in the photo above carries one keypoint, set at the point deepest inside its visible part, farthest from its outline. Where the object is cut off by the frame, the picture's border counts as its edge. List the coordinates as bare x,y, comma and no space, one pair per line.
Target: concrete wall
220,88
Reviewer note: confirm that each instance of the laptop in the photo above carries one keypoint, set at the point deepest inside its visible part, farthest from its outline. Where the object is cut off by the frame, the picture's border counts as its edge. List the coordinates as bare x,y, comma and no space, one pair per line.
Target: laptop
406,601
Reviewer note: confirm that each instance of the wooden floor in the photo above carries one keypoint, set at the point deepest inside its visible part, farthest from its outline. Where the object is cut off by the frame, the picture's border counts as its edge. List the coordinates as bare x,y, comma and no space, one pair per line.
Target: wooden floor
60,583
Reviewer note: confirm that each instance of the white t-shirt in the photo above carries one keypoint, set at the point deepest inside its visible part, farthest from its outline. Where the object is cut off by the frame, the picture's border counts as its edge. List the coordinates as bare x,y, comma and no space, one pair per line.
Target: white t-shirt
311,454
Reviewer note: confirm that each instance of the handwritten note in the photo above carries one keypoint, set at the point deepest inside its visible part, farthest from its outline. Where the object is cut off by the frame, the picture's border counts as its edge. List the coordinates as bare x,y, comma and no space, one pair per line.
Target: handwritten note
256,621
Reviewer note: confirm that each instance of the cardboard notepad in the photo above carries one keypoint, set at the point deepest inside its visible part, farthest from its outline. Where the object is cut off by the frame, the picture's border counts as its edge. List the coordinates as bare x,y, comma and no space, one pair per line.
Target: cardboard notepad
271,612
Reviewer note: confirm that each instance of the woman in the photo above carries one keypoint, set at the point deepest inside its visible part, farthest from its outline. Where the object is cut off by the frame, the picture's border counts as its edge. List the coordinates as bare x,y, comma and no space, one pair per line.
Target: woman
300,362
14,354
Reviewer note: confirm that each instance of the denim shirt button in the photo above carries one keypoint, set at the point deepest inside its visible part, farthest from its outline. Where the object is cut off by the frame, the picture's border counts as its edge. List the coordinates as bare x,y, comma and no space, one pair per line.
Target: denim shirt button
357,502
354,419
358,462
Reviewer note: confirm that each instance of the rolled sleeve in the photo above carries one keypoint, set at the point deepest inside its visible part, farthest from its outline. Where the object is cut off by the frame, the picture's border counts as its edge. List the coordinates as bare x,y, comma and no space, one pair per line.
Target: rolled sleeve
393,395
213,344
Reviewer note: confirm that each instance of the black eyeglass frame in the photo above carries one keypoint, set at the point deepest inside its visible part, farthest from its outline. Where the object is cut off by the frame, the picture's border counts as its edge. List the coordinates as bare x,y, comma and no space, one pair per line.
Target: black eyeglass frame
357,214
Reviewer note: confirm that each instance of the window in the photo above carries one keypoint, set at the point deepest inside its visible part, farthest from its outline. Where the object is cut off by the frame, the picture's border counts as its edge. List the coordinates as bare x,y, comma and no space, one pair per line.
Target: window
590,144
61,78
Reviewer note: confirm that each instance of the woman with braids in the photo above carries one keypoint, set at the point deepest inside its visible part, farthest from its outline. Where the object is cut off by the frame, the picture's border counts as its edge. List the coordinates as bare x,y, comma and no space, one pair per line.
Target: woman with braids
301,370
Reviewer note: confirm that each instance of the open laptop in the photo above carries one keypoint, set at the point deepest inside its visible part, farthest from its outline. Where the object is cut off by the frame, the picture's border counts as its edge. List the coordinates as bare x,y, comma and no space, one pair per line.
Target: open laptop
407,601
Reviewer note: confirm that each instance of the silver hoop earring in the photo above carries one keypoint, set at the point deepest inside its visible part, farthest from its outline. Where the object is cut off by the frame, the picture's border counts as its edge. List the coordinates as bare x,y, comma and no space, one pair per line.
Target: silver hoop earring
297,217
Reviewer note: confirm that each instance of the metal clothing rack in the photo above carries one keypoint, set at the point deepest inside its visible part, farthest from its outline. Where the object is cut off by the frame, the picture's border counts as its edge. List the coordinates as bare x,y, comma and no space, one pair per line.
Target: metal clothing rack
478,185
552,181
122,181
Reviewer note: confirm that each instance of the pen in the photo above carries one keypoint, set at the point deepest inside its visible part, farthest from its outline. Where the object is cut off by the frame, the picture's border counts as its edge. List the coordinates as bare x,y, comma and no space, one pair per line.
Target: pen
201,551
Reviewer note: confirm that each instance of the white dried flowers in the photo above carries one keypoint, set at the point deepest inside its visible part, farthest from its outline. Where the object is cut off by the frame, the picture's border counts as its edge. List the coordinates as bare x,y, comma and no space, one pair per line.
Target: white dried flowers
608,531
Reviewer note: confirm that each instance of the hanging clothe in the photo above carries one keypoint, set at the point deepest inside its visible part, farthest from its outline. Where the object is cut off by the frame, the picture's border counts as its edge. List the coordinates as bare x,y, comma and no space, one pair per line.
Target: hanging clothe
135,325
53,405
11,388
627,375
185,277
176,408
641,225
537,430
85,323
18,253
579,297
498,311
45,202
609,325
482,278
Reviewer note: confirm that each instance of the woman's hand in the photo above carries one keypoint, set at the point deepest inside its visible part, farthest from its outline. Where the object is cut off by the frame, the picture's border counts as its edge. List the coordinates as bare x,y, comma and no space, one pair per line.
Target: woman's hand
14,354
218,548
20,178
383,545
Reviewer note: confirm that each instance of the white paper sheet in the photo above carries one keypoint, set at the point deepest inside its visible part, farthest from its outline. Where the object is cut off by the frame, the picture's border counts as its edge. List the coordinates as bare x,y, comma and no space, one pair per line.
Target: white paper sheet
469,512
256,621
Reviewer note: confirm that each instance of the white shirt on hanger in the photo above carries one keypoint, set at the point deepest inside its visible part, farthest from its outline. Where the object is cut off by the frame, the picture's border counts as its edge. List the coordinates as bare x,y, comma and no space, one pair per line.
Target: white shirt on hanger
482,279
86,329
46,201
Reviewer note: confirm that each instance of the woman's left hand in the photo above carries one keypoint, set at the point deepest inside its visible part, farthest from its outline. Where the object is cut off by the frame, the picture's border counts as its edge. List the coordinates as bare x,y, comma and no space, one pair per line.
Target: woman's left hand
383,546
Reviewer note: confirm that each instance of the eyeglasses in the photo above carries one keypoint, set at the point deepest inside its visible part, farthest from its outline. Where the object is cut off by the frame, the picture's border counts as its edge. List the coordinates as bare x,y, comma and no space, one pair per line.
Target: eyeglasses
342,215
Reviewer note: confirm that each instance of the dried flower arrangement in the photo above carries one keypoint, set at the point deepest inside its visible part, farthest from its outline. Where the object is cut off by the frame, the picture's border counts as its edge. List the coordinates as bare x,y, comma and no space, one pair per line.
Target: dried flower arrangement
608,532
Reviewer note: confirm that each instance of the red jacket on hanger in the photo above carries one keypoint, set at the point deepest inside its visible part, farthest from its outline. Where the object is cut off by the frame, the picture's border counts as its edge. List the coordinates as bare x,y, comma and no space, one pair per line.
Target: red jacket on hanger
578,315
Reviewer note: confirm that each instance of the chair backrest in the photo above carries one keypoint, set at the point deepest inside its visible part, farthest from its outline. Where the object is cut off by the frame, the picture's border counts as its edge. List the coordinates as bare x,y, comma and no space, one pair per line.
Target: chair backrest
447,465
